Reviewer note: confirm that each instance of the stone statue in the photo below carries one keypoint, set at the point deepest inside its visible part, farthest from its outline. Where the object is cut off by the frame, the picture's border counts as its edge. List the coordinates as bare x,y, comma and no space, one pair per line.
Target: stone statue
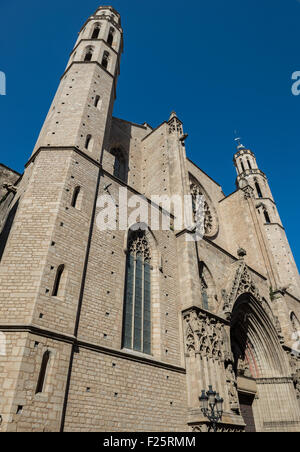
232,388
243,368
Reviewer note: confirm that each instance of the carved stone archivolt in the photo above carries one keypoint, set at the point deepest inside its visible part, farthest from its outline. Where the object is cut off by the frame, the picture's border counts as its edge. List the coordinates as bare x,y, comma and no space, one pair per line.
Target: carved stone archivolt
242,283
210,216
204,335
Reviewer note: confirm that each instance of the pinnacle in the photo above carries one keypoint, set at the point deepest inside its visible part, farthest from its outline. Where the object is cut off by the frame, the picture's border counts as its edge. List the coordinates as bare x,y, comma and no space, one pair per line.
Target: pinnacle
173,115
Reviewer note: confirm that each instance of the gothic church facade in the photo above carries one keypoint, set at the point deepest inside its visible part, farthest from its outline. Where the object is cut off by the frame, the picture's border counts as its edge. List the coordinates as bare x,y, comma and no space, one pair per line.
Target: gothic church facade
104,330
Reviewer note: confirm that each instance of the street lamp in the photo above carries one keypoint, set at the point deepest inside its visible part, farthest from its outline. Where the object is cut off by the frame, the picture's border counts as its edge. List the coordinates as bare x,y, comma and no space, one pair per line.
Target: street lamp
211,405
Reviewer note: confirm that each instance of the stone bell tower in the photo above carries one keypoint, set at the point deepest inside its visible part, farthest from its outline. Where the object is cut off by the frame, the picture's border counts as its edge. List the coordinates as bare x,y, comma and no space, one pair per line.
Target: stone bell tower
81,111
285,272
49,234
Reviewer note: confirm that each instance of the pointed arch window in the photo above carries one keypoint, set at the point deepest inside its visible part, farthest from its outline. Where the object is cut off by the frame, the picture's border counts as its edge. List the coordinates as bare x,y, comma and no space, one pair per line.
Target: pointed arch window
110,38
267,217
58,283
259,193
249,164
242,165
88,54
105,60
43,372
137,304
96,31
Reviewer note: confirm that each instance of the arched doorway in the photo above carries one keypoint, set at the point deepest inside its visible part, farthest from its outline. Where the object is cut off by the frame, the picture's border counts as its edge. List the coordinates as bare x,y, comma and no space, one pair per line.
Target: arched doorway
266,396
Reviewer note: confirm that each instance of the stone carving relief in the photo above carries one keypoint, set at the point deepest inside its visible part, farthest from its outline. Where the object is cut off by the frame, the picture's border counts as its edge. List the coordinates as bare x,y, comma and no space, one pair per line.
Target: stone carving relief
210,216
278,328
243,368
232,387
242,283
138,245
248,192
204,335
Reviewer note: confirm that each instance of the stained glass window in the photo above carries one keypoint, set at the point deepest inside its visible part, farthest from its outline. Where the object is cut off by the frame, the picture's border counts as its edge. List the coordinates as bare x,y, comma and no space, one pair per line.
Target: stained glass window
137,308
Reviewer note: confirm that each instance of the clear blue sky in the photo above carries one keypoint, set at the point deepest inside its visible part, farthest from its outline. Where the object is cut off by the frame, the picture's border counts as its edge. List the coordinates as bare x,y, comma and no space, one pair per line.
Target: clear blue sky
221,64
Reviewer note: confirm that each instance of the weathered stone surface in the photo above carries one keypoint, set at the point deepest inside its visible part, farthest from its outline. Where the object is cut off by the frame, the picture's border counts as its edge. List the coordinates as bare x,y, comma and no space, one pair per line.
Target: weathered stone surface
221,308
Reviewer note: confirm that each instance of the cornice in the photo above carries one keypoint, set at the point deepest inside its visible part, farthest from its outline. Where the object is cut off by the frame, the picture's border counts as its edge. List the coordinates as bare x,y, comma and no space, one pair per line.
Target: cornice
275,224
251,172
69,339
93,40
102,17
86,62
266,199
243,152
63,148
208,313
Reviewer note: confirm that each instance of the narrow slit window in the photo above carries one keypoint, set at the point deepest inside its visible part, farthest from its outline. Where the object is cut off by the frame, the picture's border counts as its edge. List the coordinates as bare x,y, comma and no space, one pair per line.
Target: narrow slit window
242,165
58,280
259,193
88,142
43,372
76,198
110,38
249,164
97,102
267,218
7,228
